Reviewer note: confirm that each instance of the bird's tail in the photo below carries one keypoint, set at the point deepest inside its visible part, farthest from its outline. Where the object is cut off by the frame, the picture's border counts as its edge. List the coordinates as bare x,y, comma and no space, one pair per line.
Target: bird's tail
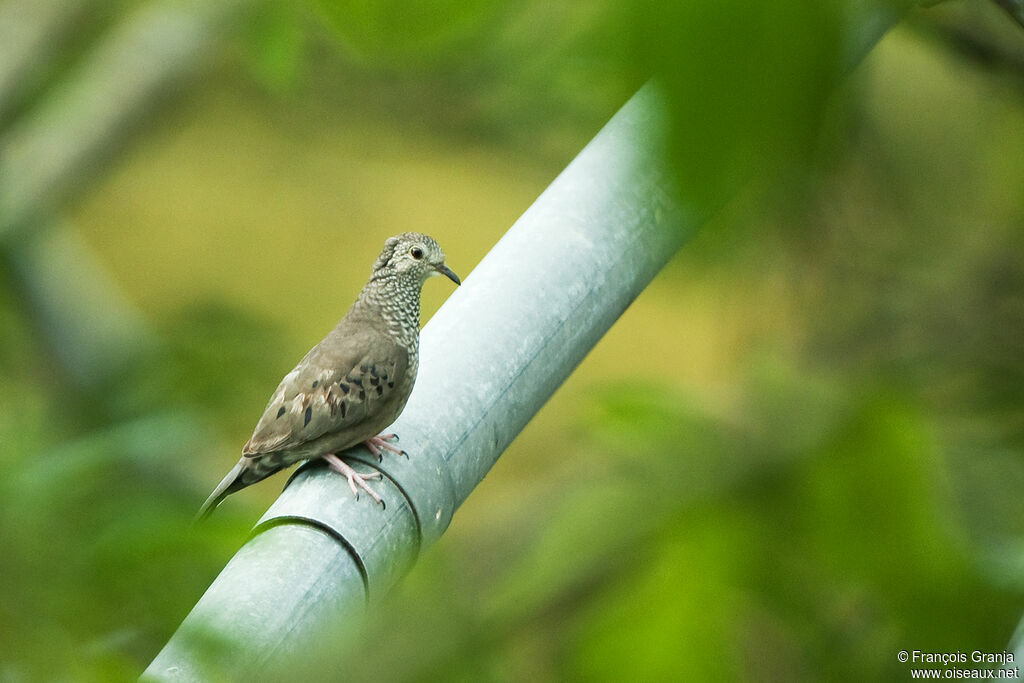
228,485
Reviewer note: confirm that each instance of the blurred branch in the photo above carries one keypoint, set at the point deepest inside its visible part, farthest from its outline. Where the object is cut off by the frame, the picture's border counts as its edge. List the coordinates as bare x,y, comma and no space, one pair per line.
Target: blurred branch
93,330
30,32
68,139
1015,8
977,31
45,157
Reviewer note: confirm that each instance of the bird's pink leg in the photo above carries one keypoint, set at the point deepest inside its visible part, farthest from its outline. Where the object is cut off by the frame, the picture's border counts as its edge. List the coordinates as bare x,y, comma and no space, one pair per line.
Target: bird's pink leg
354,478
378,442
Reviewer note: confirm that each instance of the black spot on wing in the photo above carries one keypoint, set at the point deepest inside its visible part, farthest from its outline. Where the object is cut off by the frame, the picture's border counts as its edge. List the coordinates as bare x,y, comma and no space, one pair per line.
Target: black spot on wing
315,383
309,415
343,387
280,412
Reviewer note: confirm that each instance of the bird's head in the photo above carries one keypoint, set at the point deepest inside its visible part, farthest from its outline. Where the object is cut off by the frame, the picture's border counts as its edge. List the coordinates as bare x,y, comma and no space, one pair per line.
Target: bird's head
413,253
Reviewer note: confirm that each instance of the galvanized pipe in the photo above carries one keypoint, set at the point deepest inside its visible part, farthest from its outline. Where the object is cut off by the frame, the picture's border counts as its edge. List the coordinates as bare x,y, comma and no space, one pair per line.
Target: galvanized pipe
490,358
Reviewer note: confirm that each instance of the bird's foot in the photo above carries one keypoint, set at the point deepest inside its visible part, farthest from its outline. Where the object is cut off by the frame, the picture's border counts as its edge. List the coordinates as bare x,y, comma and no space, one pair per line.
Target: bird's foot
356,480
376,443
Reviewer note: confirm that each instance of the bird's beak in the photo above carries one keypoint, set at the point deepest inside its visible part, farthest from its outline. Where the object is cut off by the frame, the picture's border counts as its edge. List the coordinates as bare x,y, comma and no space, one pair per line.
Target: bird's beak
448,273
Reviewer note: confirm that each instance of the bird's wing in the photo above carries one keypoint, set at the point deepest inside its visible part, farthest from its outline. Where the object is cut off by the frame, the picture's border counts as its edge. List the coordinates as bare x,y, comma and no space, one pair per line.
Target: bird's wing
341,381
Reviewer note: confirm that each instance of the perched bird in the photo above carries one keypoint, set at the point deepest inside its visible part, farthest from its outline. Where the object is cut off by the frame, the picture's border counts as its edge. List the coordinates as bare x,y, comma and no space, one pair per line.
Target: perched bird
352,384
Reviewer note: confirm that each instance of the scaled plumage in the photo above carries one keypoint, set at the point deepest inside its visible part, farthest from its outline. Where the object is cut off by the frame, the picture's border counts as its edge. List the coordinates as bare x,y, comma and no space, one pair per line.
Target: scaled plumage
352,384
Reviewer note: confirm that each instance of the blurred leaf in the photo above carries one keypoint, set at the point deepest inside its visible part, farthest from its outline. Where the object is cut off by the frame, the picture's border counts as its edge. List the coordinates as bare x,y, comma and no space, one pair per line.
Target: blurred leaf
277,43
219,361
410,34
101,558
676,609
747,83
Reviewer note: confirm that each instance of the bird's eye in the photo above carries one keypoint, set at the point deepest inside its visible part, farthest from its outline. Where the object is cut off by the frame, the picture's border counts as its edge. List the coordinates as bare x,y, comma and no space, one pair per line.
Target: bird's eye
416,253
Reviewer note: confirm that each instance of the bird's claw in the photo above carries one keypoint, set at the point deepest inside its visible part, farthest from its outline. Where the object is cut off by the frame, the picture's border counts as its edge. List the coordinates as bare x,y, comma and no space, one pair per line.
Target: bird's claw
376,443
356,480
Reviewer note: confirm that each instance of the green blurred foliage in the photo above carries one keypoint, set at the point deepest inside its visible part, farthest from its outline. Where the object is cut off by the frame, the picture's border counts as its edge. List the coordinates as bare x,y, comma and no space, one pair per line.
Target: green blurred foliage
275,44
762,74
412,35
810,458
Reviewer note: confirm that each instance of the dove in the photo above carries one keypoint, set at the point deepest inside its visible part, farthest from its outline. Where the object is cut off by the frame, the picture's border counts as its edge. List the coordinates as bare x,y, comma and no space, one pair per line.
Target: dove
351,385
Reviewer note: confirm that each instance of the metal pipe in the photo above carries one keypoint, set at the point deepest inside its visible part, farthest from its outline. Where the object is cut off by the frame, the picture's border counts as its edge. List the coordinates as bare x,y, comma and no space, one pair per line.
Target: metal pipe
490,358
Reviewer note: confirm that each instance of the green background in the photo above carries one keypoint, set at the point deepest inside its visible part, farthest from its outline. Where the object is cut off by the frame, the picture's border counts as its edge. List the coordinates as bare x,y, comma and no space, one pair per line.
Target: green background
797,453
